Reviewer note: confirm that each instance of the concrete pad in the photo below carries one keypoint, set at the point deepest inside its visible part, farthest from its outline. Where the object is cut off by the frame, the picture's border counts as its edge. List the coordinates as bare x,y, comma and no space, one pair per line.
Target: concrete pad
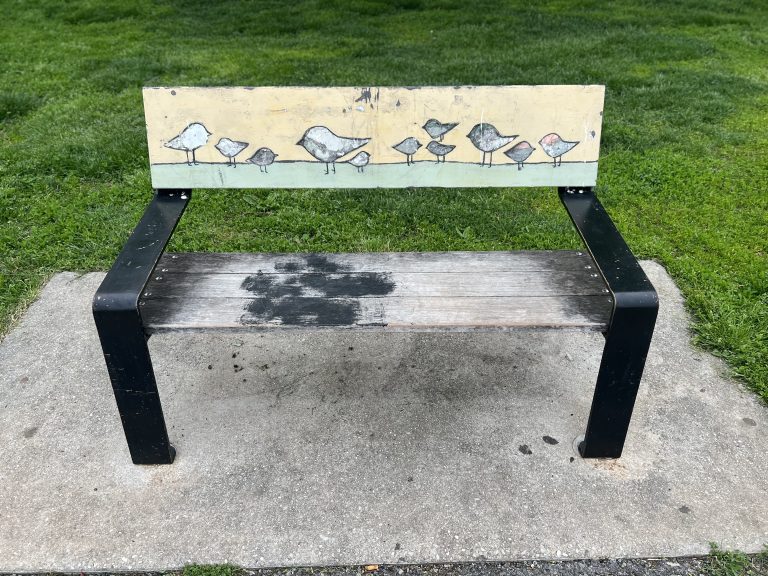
348,448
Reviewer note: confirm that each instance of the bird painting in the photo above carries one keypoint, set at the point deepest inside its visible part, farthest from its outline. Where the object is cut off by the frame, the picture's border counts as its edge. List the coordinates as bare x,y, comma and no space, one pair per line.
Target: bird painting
487,139
555,147
437,129
519,153
190,139
360,160
440,150
327,147
263,157
230,149
409,146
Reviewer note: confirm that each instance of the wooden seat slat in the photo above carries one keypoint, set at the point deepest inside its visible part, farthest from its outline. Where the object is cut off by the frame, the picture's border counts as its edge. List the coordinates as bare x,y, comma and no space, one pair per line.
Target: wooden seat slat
477,262
375,284
419,314
443,299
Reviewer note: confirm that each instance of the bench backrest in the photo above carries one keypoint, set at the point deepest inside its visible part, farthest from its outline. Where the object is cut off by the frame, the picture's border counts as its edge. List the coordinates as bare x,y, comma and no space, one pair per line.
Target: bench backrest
292,137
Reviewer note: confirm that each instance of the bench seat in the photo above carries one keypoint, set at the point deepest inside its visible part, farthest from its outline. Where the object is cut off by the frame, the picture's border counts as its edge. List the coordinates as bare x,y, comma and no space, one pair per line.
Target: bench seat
438,291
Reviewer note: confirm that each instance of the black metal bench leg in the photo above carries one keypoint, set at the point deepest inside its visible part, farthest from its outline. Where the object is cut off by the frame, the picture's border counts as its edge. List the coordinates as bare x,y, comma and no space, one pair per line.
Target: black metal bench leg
123,340
133,382
626,348
629,334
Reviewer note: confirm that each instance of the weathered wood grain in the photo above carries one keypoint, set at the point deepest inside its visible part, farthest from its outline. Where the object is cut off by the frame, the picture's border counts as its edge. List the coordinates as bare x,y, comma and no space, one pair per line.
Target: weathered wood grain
395,284
466,262
400,314
419,292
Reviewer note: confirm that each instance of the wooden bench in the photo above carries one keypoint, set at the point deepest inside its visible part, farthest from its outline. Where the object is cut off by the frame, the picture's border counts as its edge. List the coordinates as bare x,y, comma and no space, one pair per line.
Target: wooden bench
374,138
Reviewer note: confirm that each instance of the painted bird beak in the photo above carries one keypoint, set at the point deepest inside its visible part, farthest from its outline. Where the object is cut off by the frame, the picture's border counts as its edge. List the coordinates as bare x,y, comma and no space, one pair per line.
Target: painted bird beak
300,142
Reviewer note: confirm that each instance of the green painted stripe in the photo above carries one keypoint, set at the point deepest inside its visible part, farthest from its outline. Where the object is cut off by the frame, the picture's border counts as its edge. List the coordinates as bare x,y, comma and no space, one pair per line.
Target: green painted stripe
422,174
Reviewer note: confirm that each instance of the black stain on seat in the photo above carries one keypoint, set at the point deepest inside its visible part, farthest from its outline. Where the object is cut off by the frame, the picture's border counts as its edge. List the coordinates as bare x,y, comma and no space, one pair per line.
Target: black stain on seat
324,295
320,263
287,266
350,285
266,284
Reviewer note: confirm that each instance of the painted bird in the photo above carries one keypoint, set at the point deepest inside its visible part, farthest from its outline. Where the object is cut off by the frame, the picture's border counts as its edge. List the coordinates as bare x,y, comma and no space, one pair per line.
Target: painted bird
360,160
263,157
437,129
190,139
520,153
327,147
440,149
409,146
486,138
230,149
555,147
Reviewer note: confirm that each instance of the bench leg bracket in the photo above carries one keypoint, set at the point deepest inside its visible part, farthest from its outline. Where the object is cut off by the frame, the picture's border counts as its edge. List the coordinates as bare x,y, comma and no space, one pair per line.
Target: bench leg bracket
629,333
117,314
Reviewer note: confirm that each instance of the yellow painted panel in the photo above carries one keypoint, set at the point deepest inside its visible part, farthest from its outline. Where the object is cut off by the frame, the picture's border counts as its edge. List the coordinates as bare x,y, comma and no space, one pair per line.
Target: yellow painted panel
284,136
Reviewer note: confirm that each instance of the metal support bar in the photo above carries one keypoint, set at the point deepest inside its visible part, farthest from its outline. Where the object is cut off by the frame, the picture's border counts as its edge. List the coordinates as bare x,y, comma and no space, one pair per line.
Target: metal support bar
629,333
123,340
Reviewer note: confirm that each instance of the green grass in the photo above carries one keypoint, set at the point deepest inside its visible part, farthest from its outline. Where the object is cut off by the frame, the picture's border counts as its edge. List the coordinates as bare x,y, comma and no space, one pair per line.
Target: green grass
735,563
719,563
212,570
683,171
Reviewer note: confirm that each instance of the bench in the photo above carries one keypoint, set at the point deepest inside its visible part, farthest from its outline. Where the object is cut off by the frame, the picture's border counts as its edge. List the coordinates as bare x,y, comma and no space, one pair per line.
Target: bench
374,138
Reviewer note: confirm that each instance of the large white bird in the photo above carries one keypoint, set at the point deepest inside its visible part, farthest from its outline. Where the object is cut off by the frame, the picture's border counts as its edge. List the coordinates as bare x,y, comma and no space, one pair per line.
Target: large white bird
327,147
190,139
486,138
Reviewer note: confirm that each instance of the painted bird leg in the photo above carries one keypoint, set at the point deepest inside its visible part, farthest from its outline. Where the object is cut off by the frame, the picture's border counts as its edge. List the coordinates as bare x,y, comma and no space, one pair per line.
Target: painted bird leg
483,162
490,161
326,167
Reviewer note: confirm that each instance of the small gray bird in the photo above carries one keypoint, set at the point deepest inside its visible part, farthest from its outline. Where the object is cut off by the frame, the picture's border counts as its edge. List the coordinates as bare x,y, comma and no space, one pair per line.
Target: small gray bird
327,147
263,157
486,138
360,160
440,149
409,146
230,149
190,139
555,147
520,153
437,129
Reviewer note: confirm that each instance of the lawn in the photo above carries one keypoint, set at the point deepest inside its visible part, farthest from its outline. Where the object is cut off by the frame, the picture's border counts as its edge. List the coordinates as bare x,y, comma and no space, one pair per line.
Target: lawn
683,171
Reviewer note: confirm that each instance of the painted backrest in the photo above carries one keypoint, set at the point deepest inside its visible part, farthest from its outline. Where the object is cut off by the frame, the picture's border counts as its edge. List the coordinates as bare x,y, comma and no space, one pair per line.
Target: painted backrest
292,137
